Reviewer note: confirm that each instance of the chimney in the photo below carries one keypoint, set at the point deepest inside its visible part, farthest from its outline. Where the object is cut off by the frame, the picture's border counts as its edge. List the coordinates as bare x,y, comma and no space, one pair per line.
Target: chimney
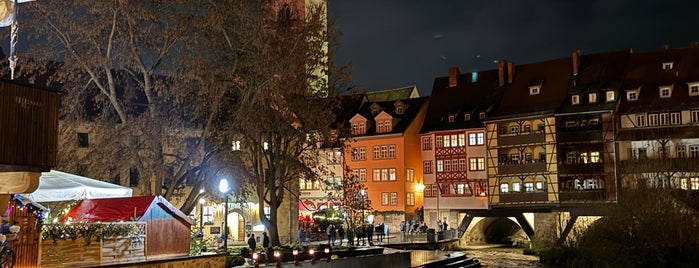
693,44
510,72
501,73
454,73
576,62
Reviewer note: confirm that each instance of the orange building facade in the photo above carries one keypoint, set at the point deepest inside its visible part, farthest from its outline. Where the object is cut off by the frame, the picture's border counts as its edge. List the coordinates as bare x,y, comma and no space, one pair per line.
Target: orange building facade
383,154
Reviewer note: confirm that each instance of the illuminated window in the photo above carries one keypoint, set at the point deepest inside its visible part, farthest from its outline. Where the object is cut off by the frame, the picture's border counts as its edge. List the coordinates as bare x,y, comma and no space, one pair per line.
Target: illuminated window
360,173
384,199
410,199
539,185
235,145
528,187
358,153
694,183
438,142
592,97
504,188
514,129
462,140
426,143
394,198
440,166
667,65
534,90
427,167
610,96
515,187
409,175
476,163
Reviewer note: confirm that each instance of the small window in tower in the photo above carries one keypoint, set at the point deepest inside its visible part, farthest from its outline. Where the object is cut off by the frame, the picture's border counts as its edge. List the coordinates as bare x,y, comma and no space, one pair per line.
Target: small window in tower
667,65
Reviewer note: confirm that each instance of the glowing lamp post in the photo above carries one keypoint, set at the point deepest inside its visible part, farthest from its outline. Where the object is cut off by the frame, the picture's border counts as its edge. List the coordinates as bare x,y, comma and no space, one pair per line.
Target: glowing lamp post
224,188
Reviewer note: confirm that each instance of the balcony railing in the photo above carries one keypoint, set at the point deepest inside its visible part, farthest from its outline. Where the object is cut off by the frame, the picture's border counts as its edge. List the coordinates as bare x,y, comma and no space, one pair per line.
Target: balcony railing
525,138
585,168
645,165
583,195
525,197
516,168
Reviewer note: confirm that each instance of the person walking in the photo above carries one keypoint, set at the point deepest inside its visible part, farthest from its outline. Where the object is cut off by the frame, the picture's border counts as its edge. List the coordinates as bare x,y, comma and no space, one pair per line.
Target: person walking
331,234
265,240
341,233
370,234
403,230
252,243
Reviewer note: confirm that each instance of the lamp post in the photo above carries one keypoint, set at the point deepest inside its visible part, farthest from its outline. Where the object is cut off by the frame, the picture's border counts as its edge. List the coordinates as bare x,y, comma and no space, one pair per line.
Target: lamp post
224,188
362,193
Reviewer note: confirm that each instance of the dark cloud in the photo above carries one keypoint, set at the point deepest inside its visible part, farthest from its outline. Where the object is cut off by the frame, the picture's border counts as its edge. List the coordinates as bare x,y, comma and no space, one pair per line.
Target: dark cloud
395,43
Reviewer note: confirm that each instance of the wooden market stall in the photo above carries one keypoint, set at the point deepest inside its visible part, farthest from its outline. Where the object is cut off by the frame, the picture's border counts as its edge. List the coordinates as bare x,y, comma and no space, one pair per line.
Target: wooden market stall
156,230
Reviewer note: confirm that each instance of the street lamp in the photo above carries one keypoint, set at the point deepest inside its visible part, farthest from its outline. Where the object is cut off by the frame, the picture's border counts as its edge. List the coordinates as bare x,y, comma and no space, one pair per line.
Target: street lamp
224,188
362,193
201,218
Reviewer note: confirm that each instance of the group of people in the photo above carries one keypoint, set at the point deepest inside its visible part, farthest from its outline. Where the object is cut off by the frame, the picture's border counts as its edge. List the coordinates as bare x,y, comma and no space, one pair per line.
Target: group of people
333,232
252,242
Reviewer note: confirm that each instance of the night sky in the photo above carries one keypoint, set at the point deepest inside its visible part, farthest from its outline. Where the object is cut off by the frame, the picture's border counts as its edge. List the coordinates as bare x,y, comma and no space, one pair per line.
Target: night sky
396,43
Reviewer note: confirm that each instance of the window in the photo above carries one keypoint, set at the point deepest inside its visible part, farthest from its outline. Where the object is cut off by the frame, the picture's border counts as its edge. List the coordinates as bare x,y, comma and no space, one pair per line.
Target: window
502,131
462,164
427,167
594,157
694,116
515,187
438,142
360,173
455,165
476,163
410,199
514,130
358,153
632,95
693,89
383,126
514,158
575,99
410,175
683,184
334,157
694,151
667,65
440,166
694,183
235,145
399,109
454,141
461,188
83,140
665,92
384,152
467,117
592,97
539,185
534,90
681,151
481,115
384,174
640,120
391,151
451,118
462,140
426,143
358,128
572,157
447,165
384,199
675,118
394,199
447,140
504,188
474,77
653,119
664,119
475,139
207,213
610,96
528,187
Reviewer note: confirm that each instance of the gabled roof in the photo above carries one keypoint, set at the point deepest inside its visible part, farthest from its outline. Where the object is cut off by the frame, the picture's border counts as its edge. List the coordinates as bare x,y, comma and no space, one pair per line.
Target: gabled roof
554,78
401,121
408,92
465,97
597,73
139,208
645,72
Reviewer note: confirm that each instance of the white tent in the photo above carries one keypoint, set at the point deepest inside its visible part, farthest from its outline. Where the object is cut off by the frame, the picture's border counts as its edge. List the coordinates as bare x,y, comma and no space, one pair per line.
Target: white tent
60,186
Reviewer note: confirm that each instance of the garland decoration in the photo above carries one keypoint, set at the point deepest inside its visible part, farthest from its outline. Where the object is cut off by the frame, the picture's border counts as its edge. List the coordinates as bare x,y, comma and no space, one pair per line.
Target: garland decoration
21,202
88,231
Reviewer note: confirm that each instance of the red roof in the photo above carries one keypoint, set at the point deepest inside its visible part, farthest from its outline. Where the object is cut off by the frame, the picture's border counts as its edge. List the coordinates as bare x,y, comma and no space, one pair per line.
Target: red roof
120,209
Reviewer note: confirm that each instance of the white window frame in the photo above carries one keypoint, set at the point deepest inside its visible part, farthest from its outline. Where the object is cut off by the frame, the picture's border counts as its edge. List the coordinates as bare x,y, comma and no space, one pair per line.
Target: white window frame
675,118
575,99
640,120
693,88
592,97
610,96
632,95
665,92
410,199
394,199
534,90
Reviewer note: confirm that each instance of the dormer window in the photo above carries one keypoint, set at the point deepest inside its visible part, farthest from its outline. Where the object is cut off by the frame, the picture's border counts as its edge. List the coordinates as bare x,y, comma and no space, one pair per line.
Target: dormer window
358,128
534,90
575,99
665,92
399,107
467,117
451,118
667,65
592,97
610,96
375,109
481,115
383,126
632,95
693,88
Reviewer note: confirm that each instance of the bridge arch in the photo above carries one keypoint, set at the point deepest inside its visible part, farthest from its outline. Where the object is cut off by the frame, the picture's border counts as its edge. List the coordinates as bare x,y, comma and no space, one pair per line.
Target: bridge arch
496,230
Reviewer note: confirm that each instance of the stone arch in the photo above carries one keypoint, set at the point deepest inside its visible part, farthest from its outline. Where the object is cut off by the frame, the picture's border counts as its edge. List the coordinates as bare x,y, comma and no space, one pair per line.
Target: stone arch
496,230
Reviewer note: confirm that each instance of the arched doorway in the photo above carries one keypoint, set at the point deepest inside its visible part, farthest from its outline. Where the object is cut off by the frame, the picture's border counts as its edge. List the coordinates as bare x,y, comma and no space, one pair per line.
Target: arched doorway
496,231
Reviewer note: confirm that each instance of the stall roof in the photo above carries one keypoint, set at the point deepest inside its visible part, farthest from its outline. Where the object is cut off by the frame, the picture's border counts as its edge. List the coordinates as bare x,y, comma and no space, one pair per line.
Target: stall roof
138,208
60,186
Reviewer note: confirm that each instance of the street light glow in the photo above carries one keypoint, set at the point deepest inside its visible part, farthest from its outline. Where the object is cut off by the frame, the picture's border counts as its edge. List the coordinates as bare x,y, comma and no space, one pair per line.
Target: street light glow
420,187
223,186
